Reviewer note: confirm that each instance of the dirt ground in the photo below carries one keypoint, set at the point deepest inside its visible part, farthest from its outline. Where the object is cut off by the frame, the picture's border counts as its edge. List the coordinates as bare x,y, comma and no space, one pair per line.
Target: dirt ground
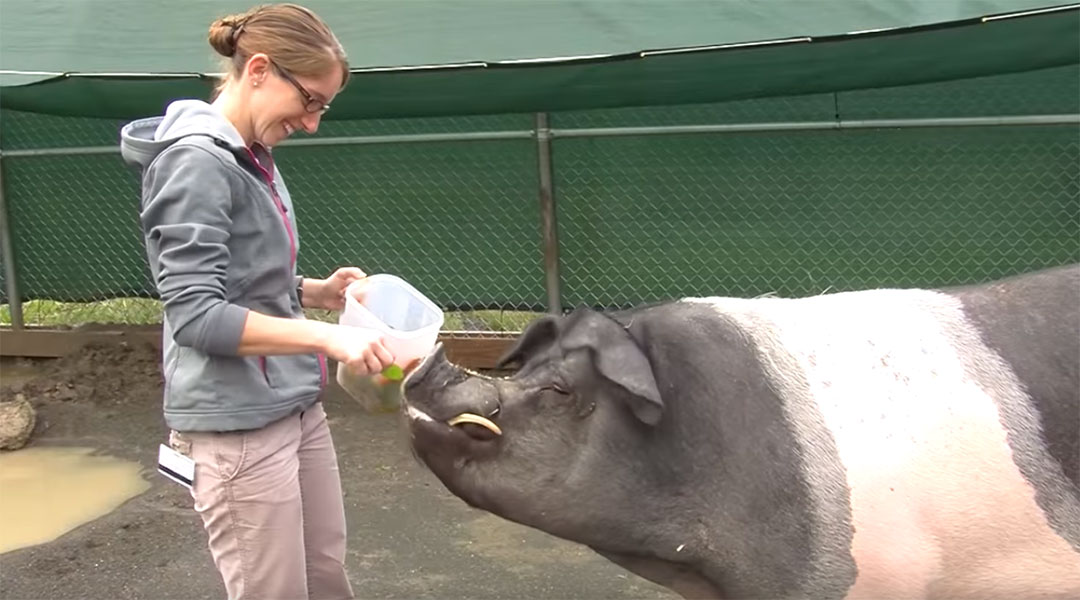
408,536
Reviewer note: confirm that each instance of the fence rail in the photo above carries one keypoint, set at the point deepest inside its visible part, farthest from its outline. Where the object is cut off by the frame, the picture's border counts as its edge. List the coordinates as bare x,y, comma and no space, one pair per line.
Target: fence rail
586,132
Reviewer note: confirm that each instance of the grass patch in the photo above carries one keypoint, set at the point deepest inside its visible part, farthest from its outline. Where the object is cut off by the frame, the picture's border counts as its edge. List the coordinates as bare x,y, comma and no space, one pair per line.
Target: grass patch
489,320
147,311
50,313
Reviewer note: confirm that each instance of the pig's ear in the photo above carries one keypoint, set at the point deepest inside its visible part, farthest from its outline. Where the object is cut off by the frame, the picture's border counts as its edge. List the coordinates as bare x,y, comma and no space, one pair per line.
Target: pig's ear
537,336
618,358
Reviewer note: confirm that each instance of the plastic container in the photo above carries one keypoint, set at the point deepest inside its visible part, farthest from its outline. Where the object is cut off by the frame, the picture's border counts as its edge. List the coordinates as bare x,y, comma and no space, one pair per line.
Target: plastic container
409,324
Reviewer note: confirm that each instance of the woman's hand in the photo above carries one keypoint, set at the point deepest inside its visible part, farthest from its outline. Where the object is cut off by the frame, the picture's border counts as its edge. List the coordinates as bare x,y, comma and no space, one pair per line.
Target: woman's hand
329,293
358,349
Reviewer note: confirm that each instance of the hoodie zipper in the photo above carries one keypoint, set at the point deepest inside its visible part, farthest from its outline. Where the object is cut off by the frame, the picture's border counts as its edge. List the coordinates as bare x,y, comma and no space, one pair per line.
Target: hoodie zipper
278,204
269,177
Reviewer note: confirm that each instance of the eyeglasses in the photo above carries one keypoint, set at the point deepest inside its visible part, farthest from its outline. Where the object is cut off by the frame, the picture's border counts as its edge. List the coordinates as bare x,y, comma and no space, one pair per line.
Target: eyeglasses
311,104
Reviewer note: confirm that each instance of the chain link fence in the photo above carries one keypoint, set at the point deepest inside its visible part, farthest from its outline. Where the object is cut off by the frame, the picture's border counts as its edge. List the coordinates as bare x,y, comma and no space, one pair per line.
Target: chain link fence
790,196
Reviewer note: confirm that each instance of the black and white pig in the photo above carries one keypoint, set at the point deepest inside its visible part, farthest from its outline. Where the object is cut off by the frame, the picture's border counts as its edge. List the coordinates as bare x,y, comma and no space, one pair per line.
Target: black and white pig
875,444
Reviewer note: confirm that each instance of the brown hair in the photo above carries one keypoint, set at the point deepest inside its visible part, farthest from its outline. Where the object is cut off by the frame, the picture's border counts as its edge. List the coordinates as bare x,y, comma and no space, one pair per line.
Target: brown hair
295,38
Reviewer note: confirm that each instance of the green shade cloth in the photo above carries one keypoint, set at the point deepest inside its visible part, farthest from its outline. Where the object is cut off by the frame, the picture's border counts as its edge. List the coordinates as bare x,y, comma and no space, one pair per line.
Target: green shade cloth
923,41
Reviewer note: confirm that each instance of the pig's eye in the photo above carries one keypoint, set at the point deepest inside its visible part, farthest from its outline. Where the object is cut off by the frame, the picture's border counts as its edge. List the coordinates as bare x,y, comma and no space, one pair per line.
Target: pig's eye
555,387
559,389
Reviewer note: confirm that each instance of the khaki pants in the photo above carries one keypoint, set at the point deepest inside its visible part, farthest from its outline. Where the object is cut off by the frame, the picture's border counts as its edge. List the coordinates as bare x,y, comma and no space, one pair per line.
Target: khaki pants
270,500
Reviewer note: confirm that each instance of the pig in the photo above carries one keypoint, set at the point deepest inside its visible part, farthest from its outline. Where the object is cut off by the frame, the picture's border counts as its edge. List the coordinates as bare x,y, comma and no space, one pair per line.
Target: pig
879,443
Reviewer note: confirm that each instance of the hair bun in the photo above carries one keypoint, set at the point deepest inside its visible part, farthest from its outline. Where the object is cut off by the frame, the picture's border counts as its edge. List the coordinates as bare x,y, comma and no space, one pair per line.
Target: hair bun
223,34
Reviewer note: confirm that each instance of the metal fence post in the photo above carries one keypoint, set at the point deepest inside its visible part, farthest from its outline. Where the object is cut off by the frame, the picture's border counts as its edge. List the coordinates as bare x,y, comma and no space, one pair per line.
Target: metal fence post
548,222
14,302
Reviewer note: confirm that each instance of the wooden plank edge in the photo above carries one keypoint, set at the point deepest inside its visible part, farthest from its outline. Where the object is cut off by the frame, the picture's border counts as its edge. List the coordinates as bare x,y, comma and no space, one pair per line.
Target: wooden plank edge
473,350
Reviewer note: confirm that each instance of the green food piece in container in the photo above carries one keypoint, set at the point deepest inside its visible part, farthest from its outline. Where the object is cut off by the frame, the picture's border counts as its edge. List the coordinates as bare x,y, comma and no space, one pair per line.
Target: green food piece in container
393,373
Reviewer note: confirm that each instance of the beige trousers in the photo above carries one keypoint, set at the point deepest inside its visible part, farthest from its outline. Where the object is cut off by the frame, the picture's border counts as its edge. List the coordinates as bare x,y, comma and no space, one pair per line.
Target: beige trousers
270,500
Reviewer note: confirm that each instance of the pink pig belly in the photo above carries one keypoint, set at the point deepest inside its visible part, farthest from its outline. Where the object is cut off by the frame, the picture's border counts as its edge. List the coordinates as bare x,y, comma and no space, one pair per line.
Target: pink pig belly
939,507
956,519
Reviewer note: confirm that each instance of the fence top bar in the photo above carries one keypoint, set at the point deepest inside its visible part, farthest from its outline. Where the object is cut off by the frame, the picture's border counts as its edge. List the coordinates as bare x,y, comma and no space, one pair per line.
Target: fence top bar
412,138
1000,121
327,141
70,151
1024,120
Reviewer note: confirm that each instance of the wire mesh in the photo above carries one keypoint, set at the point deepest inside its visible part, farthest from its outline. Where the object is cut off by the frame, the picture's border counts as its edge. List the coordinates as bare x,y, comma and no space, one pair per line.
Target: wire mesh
640,218
801,214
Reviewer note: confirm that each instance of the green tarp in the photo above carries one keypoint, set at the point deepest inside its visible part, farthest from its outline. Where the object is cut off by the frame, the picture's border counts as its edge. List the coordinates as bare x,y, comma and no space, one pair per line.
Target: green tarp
132,57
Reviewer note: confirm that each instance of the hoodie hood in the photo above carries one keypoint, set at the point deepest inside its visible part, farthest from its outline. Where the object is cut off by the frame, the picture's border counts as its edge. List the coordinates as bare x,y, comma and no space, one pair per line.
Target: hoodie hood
142,140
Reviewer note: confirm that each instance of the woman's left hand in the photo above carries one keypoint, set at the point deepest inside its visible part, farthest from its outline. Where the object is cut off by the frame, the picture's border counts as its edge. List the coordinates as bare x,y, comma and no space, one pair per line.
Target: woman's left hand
331,291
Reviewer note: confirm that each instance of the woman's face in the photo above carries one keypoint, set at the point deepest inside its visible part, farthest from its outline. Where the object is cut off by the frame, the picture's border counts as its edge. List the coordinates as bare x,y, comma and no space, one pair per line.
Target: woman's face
280,102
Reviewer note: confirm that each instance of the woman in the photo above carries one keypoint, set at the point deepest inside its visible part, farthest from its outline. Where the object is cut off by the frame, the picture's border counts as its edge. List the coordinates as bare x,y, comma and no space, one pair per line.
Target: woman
243,369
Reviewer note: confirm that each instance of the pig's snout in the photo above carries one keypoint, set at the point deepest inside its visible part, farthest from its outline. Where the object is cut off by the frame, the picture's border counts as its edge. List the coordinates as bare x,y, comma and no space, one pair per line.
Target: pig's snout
438,390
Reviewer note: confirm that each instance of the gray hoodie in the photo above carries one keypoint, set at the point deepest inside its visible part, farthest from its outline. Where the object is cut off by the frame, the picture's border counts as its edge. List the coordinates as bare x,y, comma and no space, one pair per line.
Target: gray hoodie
221,240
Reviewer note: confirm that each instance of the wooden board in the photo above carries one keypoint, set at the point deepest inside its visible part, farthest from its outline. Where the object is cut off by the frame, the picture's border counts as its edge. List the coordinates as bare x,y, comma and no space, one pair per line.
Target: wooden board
467,349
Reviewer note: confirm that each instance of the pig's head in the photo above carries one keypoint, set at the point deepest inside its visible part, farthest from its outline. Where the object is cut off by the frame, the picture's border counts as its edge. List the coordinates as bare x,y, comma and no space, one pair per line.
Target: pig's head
651,436
556,446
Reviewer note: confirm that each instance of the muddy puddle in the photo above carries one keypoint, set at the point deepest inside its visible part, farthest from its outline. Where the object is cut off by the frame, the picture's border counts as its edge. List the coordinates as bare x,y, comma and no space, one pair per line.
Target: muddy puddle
47,491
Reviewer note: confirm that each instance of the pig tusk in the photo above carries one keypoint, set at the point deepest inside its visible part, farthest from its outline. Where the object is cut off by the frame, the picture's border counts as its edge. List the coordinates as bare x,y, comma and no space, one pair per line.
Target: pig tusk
476,420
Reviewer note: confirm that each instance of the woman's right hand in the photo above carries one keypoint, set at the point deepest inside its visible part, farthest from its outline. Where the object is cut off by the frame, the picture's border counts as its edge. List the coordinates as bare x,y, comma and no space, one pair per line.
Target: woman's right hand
358,349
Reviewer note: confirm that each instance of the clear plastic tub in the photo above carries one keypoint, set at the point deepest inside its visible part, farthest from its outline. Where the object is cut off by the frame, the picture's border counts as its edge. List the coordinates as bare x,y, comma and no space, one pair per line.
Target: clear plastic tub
409,324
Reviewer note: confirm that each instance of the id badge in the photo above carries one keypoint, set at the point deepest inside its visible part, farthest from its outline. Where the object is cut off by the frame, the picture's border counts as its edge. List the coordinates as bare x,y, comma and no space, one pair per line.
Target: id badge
176,466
